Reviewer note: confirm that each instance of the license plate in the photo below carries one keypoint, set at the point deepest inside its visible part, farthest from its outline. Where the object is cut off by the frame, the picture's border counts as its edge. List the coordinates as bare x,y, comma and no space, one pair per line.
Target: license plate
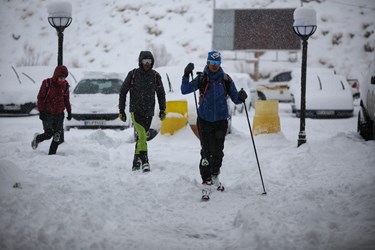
95,123
325,112
12,107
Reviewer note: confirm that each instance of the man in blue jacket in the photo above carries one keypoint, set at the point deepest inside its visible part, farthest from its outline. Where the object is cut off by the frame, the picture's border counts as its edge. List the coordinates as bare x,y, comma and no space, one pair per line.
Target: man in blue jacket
214,88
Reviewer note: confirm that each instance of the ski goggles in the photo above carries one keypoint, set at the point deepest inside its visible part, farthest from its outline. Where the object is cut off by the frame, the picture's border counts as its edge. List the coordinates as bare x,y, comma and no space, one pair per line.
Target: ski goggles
146,61
212,62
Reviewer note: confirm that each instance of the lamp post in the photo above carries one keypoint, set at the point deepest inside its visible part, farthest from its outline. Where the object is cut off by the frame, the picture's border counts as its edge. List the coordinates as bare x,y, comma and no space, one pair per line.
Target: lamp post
304,26
60,18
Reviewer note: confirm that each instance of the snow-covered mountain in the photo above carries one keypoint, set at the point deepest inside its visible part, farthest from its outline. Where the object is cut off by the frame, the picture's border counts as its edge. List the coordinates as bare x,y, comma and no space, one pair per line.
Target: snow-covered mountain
110,34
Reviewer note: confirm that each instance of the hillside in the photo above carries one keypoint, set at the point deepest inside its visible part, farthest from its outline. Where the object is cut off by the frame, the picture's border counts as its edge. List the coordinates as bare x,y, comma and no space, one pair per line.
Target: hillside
110,34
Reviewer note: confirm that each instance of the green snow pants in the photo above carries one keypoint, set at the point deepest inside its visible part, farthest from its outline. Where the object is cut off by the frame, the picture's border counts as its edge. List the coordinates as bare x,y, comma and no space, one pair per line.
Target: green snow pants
142,125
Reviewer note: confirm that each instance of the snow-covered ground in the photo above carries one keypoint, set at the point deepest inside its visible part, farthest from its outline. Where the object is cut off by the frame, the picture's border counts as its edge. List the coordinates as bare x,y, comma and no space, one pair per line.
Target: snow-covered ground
320,195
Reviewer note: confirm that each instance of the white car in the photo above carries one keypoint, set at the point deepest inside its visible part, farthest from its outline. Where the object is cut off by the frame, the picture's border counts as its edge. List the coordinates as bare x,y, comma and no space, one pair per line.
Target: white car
95,102
354,83
20,86
327,96
366,115
277,88
243,81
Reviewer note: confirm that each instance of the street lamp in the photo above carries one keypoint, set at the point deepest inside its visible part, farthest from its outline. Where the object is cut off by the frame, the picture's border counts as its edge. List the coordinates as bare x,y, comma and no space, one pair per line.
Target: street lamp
60,17
304,26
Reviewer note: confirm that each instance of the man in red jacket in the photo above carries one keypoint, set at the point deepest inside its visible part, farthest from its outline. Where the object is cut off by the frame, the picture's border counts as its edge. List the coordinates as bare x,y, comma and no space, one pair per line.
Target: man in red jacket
53,98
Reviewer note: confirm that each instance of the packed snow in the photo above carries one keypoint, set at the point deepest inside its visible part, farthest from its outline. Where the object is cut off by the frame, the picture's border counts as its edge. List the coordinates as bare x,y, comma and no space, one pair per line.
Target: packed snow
319,195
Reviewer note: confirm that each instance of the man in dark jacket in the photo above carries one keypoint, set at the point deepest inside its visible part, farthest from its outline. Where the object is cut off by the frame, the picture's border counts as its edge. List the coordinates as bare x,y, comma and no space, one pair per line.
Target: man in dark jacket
214,86
53,98
142,83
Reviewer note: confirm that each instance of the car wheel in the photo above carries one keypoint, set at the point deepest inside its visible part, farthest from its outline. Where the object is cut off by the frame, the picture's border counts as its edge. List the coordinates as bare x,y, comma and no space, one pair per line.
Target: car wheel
366,128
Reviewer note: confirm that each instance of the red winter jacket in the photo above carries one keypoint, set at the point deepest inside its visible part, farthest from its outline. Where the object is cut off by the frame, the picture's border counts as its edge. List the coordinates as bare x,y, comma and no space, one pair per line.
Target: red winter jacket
54,98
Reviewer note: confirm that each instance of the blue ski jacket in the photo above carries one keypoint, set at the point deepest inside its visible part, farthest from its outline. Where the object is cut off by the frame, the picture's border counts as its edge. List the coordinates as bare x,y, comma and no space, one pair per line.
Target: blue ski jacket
213,105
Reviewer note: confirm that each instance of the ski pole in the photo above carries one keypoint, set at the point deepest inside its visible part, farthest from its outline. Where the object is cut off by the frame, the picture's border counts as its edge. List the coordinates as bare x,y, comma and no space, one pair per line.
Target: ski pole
204,160
255,150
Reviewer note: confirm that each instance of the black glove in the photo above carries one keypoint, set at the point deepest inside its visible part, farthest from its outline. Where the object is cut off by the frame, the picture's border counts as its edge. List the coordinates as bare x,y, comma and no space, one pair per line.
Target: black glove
122,115
188,69
242,95
69,117
162,114
42,116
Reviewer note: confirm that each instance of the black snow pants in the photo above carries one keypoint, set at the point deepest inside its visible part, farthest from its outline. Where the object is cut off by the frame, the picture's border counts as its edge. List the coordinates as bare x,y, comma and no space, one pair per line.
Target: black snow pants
212,135
53,127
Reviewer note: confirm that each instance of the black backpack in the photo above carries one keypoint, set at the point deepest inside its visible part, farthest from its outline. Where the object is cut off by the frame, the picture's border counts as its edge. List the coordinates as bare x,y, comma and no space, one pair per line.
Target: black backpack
134,71
203,84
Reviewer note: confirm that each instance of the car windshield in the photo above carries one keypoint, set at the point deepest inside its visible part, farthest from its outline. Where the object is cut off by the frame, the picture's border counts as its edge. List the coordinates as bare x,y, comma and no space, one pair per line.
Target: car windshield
282,77
96,86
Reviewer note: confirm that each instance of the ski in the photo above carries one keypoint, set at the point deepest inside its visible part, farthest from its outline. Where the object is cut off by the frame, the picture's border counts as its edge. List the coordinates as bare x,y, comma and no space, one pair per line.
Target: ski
206,191
205,194
205,197
217,183
220,188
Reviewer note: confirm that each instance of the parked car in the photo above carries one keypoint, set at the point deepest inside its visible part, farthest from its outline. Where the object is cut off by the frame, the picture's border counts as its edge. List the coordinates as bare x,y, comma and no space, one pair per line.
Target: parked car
20,86
354,83
277,88
243,81
366,115
327,96
95,102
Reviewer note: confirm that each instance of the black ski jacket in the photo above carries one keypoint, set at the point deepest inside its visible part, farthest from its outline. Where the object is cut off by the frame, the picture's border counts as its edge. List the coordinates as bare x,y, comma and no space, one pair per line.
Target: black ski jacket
142,86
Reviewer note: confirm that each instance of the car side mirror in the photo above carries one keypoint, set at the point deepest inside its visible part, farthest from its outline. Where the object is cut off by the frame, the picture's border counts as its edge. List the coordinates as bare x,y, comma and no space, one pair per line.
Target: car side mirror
373,80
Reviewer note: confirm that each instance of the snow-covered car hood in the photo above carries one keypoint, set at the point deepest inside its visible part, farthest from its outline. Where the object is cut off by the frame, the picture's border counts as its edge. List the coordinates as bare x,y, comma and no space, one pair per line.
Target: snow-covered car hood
94,103
332,94
20,85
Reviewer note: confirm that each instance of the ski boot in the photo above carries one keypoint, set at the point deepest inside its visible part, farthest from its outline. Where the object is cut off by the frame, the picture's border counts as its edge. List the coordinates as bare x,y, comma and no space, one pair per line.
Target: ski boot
137,163
206,190
34,143
145,164
54,144
216,182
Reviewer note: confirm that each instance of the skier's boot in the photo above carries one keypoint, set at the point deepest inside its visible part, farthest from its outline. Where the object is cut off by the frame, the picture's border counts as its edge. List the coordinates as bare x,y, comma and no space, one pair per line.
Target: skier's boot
54,144
34,142
137,162
216,182
62,137
145,164
206,190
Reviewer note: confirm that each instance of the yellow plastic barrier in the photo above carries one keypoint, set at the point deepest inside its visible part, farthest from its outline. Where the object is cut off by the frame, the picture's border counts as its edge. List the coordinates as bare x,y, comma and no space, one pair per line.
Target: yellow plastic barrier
176,118
266,119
